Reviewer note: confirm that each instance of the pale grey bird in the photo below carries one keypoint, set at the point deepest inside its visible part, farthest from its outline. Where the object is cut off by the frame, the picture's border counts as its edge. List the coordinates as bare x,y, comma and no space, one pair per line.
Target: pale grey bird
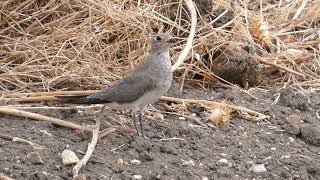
144,85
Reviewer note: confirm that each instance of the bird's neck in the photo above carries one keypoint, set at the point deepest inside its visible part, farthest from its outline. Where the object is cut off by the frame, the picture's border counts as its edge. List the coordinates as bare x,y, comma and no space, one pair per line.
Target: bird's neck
155,50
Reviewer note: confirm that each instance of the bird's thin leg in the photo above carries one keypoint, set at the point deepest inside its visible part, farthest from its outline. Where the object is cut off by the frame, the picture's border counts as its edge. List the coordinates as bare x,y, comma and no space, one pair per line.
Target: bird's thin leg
134,119
140,121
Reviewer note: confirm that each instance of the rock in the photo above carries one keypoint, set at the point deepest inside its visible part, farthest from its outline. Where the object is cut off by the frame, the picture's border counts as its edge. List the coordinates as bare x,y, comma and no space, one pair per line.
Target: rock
135,162
293,125
80,177
224,161
237,66
187,163
136,177
258,168
311,133
2,177
204,178
294,100
69,157
120,162
35,158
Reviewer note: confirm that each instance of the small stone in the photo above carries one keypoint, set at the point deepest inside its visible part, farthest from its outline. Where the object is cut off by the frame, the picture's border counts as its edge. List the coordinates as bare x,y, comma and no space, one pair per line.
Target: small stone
291,139
7,170
225,161
182,118
80,177
204,178
187,163
293,125
120,162
158,176
136,177
273,149
224,154
69,157
2,177
258,168
35,158
135,162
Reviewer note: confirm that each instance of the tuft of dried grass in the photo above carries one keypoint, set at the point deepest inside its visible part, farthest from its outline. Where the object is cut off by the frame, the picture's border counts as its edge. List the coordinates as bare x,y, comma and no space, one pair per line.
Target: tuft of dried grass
87,44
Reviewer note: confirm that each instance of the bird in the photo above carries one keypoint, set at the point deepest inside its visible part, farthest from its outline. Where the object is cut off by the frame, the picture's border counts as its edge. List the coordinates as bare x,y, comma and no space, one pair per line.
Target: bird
144,85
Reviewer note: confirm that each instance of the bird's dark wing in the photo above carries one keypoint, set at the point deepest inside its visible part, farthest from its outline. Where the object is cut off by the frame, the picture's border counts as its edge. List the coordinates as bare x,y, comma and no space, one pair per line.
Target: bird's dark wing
126,90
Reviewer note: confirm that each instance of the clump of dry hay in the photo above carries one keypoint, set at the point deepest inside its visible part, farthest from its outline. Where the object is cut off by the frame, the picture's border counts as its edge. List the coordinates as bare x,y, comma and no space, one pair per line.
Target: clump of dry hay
86,44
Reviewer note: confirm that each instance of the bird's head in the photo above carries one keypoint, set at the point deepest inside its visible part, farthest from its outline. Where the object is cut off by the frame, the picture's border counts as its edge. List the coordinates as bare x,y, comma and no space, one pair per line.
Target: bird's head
162,41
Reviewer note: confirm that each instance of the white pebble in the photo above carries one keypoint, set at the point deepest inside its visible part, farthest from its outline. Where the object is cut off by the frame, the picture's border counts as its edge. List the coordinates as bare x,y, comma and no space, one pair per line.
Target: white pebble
69,157
258,168
291,139
135,162
273,149
182,118
224,154
187,163
225,161
194,114
136,177
204,178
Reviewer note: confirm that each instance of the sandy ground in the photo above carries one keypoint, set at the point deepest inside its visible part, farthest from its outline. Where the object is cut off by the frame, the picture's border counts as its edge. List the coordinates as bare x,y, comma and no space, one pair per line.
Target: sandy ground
178,148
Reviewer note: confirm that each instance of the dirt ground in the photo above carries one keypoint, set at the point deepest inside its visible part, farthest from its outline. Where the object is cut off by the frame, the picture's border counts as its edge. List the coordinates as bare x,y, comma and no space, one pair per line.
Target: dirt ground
178,148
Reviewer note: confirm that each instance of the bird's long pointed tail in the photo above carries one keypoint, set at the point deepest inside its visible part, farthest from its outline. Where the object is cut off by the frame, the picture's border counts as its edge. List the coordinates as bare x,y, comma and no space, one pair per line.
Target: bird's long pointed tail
81,99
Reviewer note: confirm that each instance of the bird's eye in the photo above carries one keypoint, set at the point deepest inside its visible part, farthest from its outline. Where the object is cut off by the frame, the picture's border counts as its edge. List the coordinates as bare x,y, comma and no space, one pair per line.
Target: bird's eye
158,38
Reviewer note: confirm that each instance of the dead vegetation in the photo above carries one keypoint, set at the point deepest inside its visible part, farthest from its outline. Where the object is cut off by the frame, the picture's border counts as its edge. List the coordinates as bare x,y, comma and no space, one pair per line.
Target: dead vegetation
76,44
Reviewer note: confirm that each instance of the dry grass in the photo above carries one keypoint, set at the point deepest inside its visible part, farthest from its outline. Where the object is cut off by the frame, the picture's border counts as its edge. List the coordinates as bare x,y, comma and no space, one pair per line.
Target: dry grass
86,44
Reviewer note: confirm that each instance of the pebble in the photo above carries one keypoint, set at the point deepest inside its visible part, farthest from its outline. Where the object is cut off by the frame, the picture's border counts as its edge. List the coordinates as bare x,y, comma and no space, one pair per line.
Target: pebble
204,178
258,168
225,161
293,125
273,149
120,162
35,158
135,162
291,139
69,157
136,177
224,154
2,177
187,163
182,118
79,177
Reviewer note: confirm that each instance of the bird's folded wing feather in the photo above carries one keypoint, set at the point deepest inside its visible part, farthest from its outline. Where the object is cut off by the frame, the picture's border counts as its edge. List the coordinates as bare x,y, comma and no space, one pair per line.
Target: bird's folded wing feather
128,89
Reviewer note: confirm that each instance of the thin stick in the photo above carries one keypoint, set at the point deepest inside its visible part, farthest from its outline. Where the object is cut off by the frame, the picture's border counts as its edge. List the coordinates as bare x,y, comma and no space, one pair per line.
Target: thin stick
280,67
54,93
192,33
39,117
164,98
210,103
20,140
91,146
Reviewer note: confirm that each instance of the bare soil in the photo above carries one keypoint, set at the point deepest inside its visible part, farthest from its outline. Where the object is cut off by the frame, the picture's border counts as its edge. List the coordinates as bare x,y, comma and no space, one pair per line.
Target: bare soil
189,151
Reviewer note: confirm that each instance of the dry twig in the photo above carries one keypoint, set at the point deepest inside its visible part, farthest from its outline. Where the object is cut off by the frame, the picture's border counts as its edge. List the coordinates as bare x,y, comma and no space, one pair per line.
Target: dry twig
25,114
91,146
192,33
215,104
20,140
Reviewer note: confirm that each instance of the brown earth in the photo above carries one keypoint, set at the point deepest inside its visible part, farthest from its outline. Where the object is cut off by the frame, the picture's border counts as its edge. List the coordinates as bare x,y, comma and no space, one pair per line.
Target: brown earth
223,152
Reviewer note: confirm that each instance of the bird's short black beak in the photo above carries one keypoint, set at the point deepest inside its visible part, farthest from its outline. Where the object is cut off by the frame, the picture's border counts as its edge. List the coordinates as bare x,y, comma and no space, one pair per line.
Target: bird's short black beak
172,40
